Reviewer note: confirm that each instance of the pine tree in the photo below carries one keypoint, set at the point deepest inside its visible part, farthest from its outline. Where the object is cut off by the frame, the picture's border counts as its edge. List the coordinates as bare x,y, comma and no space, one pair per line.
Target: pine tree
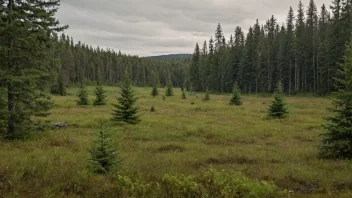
194,70
278,107
59,88
61,85
152,109
82,96
337,140
155,91
126,109
25,46
104,151
184,95
236,96
169,90
100,96
207,96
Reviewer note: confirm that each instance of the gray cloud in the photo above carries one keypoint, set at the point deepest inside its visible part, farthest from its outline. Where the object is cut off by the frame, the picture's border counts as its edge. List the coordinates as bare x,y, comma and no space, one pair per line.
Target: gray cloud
153,27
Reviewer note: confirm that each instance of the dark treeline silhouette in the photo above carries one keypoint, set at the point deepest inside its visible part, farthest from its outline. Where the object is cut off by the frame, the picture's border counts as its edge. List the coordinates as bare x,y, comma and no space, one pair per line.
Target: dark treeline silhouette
304,53
80,63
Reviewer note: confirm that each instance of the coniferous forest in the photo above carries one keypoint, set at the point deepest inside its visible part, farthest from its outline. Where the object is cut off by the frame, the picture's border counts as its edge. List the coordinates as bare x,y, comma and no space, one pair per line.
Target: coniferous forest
304,52
82,121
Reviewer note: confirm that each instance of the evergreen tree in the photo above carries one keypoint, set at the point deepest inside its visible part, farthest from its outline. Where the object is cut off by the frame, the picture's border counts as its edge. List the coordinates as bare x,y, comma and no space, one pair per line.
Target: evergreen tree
300,49
126,109
25,46
152,109
155,91
337,140
290,39
207,96
169,90
104,151
194,70
184,95
236,96
82,96
61,85
100,99
278,107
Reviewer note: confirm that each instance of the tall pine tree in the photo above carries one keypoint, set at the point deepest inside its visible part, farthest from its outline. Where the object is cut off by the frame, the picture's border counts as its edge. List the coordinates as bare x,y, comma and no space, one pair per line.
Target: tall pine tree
194,70
337,140
26,30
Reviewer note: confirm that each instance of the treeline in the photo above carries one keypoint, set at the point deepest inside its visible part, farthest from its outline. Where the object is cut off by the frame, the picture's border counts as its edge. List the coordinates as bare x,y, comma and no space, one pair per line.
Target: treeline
304,53
83,64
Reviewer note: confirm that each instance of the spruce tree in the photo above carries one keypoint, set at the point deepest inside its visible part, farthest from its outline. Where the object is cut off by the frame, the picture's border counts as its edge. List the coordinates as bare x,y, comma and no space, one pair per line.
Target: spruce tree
59,88
207,96
82,96
169,90
61,85
337,140
194,70
184,95
126,109
103,154
100,96
278,107
236,96
155,91
25,46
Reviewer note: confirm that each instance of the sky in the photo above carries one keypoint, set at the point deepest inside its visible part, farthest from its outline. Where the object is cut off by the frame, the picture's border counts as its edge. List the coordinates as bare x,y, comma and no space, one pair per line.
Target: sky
158,27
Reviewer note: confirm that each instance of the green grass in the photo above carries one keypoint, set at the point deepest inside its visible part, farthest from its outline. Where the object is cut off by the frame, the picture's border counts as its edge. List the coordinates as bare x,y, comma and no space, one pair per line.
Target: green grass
179,138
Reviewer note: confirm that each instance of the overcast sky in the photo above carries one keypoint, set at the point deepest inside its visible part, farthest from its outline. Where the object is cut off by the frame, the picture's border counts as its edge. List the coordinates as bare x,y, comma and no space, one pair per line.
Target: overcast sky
156,27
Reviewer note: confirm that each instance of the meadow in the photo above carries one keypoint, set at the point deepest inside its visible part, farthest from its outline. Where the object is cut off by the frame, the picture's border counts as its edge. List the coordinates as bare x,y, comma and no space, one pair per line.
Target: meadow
186,137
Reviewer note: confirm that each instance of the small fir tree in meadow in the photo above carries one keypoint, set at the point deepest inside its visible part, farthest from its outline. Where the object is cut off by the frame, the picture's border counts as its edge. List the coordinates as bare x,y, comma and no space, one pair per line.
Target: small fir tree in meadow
278,107
164,98
207,96
82,96
103,154
126,109
236,96
169,90
184,95
337,140
100,99
152,109
155,91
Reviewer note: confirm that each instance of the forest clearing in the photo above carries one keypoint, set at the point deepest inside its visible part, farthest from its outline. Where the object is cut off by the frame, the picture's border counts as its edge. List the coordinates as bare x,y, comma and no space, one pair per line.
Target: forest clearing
178,138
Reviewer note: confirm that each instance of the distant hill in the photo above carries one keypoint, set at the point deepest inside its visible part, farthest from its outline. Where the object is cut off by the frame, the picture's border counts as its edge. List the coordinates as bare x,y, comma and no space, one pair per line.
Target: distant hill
171,57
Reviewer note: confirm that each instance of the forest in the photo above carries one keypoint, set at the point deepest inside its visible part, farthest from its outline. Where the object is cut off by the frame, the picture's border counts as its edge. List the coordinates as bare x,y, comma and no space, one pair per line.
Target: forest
303,53
263,113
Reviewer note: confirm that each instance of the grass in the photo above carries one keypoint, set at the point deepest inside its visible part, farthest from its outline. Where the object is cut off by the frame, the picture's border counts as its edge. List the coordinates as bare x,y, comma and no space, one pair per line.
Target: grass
179,138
